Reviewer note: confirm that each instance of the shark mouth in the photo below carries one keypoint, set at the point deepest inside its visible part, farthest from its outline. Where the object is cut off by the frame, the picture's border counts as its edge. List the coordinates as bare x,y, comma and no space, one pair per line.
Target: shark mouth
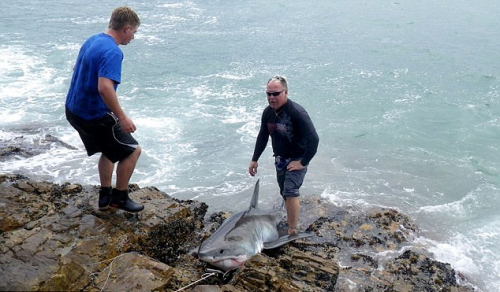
227,263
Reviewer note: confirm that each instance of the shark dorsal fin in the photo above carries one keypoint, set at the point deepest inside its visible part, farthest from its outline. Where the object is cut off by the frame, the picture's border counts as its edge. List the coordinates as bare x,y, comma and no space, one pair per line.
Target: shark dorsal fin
255,197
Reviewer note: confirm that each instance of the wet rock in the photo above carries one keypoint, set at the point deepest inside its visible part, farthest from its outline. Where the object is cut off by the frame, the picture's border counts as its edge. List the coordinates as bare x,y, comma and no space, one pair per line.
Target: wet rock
53,237
28,143
128,271
353,239
292,271
368,246
212,288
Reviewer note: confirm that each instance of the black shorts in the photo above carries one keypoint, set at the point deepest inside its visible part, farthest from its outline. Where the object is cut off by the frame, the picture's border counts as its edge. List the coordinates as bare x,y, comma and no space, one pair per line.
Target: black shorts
103,135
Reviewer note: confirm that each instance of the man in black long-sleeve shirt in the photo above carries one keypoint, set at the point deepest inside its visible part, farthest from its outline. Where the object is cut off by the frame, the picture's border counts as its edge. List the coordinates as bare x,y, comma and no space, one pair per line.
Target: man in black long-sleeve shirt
294,142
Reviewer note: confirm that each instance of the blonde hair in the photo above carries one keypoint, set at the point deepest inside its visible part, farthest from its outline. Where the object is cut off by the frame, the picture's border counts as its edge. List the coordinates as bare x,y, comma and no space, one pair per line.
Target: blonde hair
123,16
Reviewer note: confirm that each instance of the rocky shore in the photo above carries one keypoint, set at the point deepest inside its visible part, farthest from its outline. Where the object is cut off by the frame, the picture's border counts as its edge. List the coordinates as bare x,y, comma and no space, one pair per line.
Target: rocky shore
53,238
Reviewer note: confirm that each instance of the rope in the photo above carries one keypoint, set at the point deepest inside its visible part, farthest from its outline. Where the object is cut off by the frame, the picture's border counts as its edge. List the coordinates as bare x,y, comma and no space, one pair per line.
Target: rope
204,277
110,268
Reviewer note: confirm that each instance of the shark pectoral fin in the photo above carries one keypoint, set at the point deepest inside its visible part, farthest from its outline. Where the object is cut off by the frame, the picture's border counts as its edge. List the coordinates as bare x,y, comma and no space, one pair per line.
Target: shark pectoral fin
285,239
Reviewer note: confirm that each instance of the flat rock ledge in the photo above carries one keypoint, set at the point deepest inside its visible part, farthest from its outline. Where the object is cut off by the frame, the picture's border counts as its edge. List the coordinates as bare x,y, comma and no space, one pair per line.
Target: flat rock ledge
53,238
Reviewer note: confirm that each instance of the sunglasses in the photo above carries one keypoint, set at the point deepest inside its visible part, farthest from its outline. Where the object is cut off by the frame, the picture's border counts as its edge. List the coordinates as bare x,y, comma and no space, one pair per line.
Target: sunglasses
274,93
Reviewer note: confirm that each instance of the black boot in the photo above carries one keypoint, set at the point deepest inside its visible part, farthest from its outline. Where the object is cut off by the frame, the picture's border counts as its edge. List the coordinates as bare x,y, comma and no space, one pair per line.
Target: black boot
104,198
121,200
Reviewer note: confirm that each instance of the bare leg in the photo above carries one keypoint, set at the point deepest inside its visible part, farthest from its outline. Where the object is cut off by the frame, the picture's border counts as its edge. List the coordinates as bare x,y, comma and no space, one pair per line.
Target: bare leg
105,167
292,205
125,169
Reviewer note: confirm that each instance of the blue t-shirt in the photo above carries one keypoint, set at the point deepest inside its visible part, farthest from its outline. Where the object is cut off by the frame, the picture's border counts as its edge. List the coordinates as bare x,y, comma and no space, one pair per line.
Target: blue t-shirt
99,56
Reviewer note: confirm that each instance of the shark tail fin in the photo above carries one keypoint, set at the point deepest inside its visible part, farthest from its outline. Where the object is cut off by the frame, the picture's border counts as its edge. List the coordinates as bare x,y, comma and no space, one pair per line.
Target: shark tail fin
285,239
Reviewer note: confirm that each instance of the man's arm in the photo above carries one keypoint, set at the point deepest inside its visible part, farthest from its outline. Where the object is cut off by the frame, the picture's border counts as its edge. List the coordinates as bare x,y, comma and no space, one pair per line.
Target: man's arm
310,137
107,91
262,139
260,146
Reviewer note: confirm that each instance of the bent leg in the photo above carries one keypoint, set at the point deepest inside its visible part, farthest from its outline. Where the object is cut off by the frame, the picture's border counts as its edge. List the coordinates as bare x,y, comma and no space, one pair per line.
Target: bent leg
120,198
125,169
105,168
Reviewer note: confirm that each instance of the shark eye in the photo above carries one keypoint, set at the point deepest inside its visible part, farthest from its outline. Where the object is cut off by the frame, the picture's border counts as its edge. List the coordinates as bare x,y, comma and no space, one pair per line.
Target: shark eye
221,251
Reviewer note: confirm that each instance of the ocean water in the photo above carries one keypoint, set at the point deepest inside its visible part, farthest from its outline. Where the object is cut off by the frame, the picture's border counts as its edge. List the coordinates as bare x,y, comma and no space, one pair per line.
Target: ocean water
404,96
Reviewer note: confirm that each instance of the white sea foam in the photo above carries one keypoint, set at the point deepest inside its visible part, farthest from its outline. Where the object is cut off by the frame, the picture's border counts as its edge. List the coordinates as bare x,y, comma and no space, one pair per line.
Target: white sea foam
21,72
346,199
175,5
462,254
456,207
11,116
5,135
89,20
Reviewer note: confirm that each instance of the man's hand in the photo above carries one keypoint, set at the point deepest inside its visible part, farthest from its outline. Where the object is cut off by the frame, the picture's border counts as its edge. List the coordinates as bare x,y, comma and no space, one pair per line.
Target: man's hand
252,168
127,125
294,165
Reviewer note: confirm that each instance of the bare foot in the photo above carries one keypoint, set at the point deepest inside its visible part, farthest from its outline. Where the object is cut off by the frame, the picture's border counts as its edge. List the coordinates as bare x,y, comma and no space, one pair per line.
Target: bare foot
292,230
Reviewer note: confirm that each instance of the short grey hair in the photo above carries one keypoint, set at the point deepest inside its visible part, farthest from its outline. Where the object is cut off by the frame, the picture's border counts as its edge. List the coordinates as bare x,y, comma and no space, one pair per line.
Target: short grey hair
280,79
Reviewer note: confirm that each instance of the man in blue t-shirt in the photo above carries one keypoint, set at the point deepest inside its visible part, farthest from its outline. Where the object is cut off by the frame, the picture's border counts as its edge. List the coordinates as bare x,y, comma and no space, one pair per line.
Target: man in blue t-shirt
294,143
92,108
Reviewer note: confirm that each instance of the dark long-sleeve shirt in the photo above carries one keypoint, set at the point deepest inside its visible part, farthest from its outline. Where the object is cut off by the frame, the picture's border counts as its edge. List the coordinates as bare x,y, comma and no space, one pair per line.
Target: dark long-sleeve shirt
292,133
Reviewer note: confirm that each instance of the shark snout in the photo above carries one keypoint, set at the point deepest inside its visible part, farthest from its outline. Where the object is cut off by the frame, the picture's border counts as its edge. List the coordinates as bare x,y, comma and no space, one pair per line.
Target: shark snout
225,263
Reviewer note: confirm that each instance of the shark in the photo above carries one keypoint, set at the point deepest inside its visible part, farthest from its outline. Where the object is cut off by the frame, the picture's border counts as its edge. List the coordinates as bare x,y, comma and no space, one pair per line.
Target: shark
245,234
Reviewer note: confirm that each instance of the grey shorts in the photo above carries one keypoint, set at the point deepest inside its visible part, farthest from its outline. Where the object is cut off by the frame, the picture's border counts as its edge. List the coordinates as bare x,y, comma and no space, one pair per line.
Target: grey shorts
103,135
289,181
